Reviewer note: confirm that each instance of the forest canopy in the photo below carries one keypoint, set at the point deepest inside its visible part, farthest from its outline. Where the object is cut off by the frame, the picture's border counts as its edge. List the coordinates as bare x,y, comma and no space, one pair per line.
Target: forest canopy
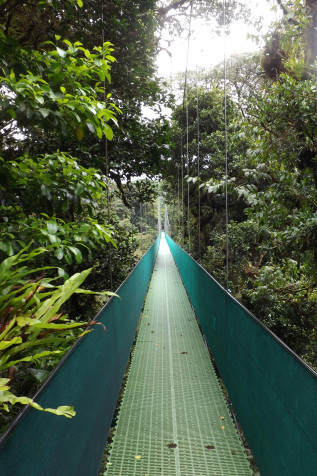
80,163
271,147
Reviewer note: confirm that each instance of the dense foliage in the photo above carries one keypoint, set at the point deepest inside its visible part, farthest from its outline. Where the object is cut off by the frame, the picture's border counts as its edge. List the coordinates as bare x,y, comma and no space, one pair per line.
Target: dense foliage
75,81
272,170
33,330
61,106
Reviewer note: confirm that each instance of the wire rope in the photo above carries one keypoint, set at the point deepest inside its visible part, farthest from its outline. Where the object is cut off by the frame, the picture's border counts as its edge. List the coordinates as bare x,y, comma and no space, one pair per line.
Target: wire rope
177,201
226,141
141,227
187,170
107,159
182,182
185,108
159,221
198,165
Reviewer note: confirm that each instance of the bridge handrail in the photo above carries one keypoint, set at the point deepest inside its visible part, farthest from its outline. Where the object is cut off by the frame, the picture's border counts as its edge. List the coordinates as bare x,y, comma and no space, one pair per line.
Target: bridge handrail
273,391
89,377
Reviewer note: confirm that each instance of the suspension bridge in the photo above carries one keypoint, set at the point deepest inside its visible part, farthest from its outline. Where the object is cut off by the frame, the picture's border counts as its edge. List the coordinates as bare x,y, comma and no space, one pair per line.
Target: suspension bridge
173,417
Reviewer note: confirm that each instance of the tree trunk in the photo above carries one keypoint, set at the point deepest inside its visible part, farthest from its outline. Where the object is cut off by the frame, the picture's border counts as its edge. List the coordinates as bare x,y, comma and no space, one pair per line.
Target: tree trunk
311,35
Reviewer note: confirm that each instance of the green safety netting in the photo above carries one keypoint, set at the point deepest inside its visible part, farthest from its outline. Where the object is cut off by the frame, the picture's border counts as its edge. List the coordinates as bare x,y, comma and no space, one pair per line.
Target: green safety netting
89,377
173,413
273,391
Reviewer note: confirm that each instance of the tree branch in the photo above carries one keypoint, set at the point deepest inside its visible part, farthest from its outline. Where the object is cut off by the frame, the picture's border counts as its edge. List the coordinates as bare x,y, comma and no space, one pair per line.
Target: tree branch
280,4
286,12
172,6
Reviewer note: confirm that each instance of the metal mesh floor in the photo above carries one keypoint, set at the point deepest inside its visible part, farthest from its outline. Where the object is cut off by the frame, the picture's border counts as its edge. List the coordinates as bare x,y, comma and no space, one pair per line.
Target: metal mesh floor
173,418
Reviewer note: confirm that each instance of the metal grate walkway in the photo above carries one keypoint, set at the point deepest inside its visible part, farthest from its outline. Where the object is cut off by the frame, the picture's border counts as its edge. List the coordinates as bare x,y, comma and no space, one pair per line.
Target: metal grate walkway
173,419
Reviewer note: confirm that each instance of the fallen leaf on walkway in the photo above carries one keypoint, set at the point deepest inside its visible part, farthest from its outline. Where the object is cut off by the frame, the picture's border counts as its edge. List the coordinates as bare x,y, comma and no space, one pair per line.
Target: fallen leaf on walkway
172,445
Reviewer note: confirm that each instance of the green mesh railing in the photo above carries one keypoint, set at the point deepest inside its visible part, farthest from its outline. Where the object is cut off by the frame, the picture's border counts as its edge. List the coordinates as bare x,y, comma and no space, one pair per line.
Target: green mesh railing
89,377
173,412
273,391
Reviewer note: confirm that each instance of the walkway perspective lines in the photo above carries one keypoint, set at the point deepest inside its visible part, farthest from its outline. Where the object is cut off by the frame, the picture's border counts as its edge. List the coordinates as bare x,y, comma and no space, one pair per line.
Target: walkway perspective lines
173,419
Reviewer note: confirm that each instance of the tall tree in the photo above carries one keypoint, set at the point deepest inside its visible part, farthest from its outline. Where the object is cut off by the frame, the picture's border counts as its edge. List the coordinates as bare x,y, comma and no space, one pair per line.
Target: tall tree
292,44
202,116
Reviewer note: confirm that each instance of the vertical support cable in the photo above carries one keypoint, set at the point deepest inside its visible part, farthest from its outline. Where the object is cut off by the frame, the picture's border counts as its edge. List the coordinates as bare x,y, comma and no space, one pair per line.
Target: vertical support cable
226,143
145,218
159,222
198,166
178,200
107,162
182,181
187,170
176,217
166,222
108,209
141,227
185,105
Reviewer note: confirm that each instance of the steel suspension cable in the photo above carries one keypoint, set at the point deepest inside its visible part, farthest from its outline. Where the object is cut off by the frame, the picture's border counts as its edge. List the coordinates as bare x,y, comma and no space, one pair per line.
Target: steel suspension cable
187,169
182,182
177,200
226,142
107,161
198,165
185,107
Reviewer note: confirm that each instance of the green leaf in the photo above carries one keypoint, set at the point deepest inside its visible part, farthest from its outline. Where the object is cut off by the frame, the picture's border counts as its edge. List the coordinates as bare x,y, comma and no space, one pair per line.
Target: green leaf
79,132
39,374
100,293
7,397
80,3
44,112
101,75
25,320
30,345
12,113
91,127
3,383
39,99
8,343
99,132
68,43
64,326
51,306
4,364
62,53
52,227
7,329
108,132
4,246
77,254
59,253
